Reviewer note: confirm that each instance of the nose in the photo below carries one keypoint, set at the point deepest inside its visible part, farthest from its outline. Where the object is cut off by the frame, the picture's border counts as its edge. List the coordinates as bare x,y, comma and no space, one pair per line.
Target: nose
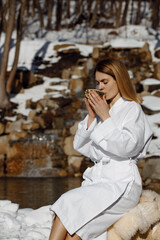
100,86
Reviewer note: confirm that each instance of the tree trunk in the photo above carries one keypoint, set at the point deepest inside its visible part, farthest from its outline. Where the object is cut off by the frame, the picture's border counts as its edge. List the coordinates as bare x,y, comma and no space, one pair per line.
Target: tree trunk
118,20
33,9
125,12
94,16
50,8
138,18
59,14
28,8
132,10
16,57
4,100
4,9
155,14
40,14
67,9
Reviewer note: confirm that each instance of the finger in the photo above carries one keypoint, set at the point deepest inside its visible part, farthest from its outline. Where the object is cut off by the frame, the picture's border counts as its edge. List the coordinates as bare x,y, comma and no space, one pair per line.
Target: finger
93,98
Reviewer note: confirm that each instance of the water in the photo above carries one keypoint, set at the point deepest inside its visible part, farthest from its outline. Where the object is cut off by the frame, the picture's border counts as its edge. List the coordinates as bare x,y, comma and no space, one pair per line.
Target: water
35,192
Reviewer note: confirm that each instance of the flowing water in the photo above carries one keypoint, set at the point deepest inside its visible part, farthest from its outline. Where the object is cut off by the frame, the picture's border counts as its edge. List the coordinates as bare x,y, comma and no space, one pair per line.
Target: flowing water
36,192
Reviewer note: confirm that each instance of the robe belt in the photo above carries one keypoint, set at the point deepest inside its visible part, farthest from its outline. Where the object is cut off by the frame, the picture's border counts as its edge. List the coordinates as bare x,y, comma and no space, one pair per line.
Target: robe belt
105,161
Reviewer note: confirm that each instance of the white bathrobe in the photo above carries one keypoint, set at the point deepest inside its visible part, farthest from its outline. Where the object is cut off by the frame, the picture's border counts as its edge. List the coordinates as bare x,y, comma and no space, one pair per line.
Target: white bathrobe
115,146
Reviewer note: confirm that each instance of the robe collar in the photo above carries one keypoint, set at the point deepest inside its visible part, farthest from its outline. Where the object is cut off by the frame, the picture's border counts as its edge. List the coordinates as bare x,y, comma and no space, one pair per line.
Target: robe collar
117,105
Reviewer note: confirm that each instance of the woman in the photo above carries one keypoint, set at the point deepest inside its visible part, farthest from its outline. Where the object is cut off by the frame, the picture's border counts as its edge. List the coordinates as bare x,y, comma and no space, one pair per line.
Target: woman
115,135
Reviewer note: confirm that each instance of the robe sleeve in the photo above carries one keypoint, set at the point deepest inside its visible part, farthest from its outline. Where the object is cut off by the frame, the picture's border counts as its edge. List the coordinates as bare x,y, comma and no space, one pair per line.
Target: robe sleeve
127,141
82,139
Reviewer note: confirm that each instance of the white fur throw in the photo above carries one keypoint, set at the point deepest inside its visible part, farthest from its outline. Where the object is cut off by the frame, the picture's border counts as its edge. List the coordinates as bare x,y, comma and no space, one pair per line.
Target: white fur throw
142,222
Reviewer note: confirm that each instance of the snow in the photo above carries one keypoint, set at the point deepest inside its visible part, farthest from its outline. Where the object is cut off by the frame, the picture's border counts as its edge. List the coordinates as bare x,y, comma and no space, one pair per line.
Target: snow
24,224
37,92
126,43
150,81
151,102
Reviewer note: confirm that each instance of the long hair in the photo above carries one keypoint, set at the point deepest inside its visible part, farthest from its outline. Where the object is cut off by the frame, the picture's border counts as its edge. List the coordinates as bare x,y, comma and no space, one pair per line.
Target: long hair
118,71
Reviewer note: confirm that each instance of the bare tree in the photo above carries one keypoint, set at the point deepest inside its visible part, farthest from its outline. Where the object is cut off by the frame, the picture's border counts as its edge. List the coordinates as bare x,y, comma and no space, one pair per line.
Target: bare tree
125,12
50,8
132,11
18,41
68,9
40,13
138,17
4,100
3,10
155,13
94,16
118,19
59,14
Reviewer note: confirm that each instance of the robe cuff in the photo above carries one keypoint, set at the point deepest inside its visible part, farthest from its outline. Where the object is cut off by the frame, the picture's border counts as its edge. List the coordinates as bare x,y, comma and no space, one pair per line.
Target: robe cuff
104,130
83,131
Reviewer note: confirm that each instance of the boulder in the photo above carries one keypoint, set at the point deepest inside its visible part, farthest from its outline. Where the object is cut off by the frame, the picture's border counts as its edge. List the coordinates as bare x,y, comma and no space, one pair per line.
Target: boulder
157,53
75,162
157,70
151,168
30,126
95,53
68,147
76,86
14,126
2,128
74,128
4,144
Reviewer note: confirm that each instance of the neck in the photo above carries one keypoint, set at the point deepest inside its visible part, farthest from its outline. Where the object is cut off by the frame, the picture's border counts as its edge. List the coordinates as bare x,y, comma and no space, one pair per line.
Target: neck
112,101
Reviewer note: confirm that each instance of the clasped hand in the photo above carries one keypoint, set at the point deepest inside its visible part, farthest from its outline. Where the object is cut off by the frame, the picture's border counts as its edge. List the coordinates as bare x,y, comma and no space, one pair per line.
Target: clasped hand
97,105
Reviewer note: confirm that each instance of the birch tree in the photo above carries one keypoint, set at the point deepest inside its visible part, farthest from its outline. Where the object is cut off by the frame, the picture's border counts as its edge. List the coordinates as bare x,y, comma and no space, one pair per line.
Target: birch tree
4,99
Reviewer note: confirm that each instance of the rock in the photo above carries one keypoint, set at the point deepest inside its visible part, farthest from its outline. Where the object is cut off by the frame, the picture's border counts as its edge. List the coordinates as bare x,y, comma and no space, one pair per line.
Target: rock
63,173
2,165
157,53
31,115
33,149
144,93
16,136
4,144
14,167
157,94
145,54
66,74
76,86
151,168
58,123
74,128
76,162
2,128
30,126
40,121
95,53
14,126
150,84
59,46
77,72
157,70
68,147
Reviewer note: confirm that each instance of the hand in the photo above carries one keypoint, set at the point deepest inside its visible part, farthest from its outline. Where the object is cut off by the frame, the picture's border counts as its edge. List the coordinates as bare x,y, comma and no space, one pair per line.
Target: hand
91,112
99,105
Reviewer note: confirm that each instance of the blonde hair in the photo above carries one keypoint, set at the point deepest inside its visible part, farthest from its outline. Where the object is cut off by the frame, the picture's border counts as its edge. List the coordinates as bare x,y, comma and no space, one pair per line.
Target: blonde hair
118,71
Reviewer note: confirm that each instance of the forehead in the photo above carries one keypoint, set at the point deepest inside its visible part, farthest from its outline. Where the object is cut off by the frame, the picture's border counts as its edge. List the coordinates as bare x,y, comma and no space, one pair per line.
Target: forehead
99,76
